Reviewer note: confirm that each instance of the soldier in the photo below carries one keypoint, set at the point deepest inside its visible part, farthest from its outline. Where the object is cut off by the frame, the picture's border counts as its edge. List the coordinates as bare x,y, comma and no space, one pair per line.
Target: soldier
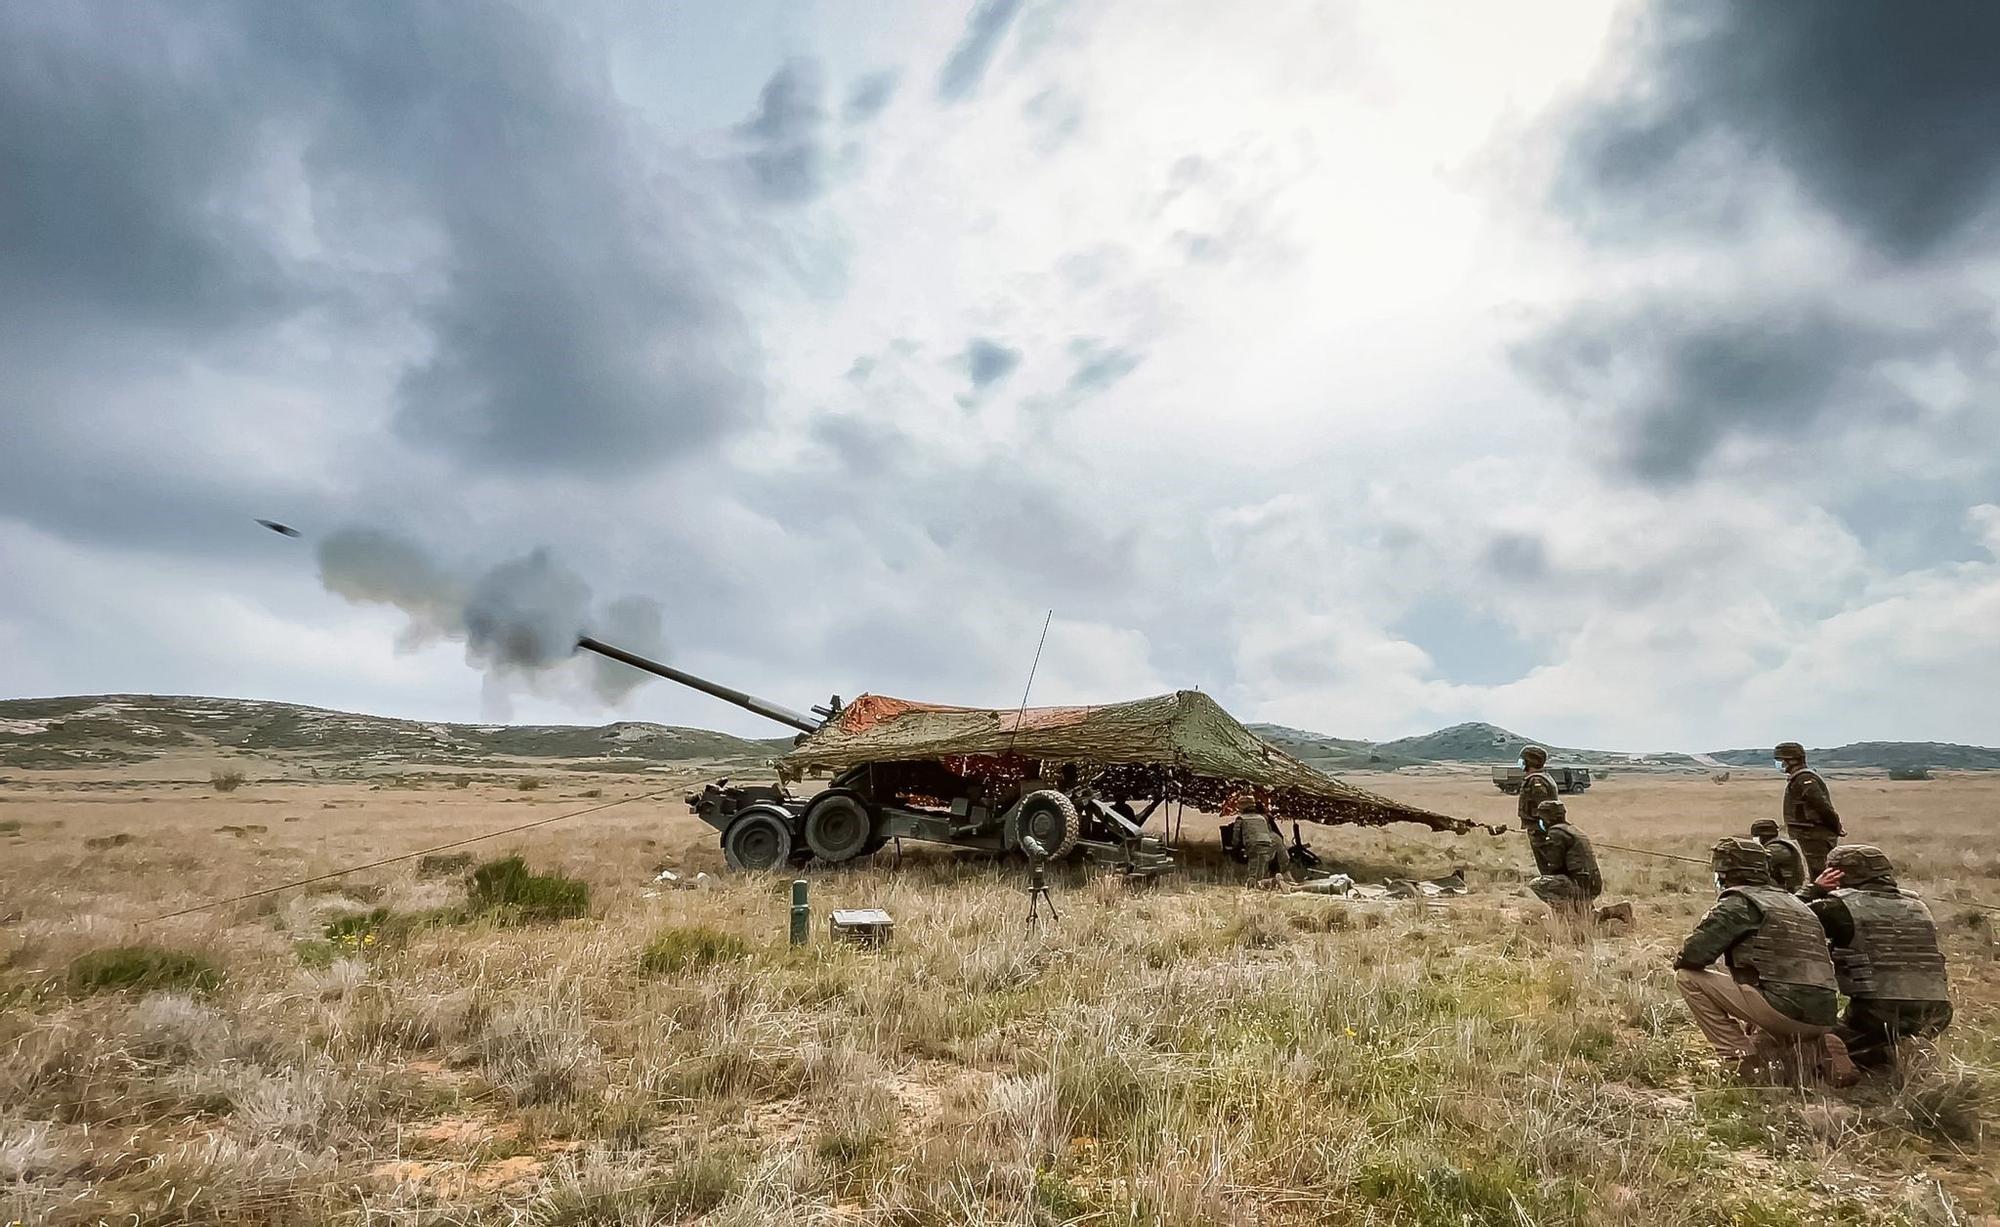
1267,857
1570,879
1788,863
1810,818
1537,786
1885,949
1779,990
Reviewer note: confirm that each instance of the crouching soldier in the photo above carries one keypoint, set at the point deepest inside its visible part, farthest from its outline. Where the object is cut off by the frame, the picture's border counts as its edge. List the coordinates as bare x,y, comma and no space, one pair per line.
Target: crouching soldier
1788,860
1886,952
1257,838
1777,997
1569,880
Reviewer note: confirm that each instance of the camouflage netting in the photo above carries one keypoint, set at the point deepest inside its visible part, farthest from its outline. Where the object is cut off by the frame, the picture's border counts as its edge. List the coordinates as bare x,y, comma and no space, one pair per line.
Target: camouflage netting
1199,752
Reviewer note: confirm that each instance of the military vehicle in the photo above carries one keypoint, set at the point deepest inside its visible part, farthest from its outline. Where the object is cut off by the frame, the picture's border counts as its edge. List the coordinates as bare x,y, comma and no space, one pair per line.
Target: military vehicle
1568,779
1045,782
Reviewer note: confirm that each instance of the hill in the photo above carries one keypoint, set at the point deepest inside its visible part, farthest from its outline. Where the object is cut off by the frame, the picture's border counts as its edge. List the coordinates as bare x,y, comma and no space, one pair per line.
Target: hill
1887,755
106,730
109,730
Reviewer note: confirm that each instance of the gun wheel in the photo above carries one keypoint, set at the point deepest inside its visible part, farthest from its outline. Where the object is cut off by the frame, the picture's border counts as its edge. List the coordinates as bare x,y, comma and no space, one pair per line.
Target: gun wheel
838,827
1045,825
757,841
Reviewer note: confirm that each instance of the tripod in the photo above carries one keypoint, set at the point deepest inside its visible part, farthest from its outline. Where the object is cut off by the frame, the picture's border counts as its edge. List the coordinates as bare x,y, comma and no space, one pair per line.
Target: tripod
1038,895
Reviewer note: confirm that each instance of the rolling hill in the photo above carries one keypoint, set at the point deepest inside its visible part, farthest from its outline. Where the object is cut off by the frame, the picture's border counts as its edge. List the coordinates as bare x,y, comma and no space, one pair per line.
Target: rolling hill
106,730
109,730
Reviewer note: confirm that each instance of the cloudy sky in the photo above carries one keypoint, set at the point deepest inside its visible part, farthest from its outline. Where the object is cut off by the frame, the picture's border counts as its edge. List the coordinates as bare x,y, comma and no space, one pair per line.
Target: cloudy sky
1626,377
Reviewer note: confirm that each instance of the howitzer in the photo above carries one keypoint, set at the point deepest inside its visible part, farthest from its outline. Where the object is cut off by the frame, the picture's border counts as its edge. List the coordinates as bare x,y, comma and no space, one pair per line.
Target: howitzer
1002,805
1046,783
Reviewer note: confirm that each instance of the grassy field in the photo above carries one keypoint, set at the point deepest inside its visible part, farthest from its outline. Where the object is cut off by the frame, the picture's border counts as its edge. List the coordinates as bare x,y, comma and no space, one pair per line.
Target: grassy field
393,1048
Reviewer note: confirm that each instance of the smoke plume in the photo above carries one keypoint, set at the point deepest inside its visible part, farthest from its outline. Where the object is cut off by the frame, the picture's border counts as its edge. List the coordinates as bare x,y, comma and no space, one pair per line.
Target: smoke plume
518,620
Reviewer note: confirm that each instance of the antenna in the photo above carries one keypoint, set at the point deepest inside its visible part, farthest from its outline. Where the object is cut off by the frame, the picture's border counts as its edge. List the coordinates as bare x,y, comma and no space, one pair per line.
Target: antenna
1031,680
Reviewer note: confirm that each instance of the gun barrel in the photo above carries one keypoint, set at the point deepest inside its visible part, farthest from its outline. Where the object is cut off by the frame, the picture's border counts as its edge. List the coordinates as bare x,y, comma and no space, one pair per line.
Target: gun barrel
748,702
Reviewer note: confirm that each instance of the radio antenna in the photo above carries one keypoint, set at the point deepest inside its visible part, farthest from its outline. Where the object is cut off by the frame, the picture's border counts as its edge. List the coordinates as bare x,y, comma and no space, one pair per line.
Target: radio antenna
1023,711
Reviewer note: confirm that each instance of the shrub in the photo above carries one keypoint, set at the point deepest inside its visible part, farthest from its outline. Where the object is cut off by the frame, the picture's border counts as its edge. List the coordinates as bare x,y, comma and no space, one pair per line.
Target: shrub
101,842
527,783
228,780
10,827
358,931
142,967
1946,1106
508,885
443,864
690,947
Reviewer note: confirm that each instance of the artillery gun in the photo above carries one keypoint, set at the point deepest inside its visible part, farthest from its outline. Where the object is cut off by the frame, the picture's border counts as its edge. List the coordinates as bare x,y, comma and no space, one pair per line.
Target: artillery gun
1048,783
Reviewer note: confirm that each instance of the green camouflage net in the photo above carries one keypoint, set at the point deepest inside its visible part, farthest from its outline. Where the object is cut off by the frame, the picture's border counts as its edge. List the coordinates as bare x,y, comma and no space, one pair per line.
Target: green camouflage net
1180,745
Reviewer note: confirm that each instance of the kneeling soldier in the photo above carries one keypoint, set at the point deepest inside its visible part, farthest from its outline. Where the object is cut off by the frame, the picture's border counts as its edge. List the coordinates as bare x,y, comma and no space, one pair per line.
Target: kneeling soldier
1570,877
1788,861
1779,990
1885,949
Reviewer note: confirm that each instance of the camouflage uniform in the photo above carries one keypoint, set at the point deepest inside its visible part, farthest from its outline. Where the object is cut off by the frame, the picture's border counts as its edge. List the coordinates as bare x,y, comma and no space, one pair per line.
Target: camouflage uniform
1536,787
1810,818
1570,878
1788,861
1264,846
1780,982
1886,951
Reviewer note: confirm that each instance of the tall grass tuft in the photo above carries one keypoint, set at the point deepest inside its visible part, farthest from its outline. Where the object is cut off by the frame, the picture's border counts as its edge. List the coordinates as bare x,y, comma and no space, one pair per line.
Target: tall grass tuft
120,968
689,948
227,780
509,888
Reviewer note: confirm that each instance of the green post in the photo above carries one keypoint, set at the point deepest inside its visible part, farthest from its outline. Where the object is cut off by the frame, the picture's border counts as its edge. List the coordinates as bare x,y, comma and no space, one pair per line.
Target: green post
801,913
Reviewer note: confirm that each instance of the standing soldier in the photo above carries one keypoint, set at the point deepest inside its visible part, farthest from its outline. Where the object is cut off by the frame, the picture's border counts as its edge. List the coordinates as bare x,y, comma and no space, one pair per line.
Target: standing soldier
1570,879
1885,949
1810,818
1788,863
1537,786
1779,989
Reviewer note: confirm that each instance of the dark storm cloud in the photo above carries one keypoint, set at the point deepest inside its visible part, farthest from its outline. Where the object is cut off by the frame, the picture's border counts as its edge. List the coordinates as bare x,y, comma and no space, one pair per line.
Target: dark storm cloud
984,30
121,184
1882,114
1517,556
787,135
1678,379
987,362
1098,365
867,97
206,175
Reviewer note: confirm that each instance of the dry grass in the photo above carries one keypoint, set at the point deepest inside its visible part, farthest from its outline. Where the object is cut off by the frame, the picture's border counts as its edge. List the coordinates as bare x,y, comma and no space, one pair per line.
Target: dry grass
380,1051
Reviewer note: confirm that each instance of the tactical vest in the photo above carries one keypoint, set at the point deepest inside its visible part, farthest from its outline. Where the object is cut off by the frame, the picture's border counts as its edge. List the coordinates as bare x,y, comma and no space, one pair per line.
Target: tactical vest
1789,947
1525,807
1787,853
1579,859
1895,954
1796,814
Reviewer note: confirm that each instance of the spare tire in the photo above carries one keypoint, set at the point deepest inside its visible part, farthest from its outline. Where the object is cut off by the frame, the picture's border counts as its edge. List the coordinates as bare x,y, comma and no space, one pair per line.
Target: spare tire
1044,825
757,841
838,826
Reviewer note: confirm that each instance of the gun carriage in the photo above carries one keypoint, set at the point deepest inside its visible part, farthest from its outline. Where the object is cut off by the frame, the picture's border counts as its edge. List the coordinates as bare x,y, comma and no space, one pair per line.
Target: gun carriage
1046,782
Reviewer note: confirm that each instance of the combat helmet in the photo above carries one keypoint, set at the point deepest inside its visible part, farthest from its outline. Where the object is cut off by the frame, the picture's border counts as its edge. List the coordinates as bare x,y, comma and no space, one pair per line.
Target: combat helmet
1740,862
1862,864
1534,756
1764,828
1551,811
